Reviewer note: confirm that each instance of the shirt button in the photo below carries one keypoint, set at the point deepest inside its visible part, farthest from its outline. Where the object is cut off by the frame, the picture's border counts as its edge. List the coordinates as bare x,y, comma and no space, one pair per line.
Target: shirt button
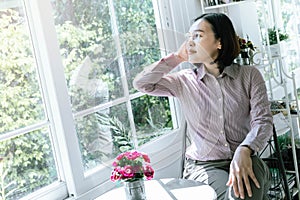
221,116
221,131
226,145
220,99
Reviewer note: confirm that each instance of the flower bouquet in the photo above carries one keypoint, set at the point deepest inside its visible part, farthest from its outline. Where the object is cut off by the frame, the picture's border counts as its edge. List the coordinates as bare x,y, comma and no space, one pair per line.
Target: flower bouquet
132,167
245,44
246,48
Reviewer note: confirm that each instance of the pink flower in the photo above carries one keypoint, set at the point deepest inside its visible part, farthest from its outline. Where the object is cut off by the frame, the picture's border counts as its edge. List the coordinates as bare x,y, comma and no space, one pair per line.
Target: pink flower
132,155
146,158
131,165
127,172
149,172
119,157
135,155
129,156
116,175
115,164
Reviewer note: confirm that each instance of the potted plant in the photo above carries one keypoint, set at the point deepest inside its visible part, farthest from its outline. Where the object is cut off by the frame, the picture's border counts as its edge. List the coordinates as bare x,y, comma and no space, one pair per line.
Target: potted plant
277,48
246,51
132,167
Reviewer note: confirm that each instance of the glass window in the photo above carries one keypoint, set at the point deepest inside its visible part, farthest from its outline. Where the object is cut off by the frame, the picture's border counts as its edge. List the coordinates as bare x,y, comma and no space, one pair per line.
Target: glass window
26,157
103,45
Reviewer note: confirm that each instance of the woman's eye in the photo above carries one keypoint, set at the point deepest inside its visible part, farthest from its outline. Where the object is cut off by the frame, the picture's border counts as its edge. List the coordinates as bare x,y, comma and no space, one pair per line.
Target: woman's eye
196,36
193,36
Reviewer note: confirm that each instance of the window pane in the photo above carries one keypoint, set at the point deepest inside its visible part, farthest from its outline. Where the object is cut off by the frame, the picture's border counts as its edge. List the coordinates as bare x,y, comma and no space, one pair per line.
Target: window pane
21,103
103,135
26,158
103,45
94,85
27,164
88,51
138,35
152,117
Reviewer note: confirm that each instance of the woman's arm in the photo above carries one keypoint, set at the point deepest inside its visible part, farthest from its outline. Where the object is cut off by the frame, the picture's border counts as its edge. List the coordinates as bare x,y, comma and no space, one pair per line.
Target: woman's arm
241,170
261,116
155,80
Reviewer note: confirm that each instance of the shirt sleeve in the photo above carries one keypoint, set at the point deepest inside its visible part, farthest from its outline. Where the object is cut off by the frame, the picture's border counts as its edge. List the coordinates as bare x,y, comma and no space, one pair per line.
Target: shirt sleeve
261,117
156,80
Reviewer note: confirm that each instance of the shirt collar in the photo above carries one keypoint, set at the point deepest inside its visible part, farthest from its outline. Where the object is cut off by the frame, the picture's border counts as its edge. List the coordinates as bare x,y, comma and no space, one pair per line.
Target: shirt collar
201,71
231,70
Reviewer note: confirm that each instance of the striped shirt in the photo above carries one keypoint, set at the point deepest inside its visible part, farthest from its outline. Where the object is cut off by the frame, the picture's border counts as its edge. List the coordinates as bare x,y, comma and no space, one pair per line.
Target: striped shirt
221,113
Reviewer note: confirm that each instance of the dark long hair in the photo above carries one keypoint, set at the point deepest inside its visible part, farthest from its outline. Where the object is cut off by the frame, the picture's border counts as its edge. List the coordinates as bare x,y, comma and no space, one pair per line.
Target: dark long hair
223,29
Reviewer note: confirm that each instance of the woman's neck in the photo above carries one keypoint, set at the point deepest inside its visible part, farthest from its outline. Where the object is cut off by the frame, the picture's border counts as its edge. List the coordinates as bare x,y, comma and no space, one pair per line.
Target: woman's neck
212,68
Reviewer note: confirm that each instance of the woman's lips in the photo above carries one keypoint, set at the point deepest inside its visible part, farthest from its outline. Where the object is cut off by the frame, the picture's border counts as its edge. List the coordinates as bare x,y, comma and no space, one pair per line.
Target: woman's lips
191,51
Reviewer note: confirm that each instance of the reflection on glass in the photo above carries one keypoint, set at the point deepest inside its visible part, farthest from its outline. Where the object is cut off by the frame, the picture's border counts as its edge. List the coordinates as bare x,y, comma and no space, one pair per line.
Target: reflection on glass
21,103
135,62
91,86
88,51
26,164
152,117
103,135
137,35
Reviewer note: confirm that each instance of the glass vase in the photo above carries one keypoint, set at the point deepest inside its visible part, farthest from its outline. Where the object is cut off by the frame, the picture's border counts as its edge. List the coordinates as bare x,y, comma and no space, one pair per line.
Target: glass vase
135,190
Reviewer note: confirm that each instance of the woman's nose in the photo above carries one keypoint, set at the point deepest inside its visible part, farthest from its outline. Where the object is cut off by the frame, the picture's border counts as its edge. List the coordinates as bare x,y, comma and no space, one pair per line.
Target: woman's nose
191,42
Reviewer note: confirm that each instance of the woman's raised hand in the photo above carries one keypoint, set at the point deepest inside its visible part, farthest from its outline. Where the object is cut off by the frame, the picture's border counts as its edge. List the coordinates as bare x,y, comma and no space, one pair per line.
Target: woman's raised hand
182,52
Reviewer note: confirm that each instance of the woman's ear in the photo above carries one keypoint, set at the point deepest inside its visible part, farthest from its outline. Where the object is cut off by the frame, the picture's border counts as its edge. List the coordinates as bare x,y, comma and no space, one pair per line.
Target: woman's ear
219,44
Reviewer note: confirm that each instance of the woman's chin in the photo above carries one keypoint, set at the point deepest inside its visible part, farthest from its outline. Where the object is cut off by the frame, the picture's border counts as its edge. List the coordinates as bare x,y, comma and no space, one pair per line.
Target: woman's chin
195,60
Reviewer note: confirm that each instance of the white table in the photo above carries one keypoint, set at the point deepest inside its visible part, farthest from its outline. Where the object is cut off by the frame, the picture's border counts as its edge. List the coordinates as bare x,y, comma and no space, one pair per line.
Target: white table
167,189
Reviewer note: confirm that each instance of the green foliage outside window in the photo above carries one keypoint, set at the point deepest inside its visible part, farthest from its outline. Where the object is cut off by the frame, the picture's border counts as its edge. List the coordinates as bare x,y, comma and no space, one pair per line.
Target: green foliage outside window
24,167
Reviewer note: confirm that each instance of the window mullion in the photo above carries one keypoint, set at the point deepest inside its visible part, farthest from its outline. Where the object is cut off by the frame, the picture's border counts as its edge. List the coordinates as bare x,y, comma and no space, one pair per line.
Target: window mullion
22,131
116,37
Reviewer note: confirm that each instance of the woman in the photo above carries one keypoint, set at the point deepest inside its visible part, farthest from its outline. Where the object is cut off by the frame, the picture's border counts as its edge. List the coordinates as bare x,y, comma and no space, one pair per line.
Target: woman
225,105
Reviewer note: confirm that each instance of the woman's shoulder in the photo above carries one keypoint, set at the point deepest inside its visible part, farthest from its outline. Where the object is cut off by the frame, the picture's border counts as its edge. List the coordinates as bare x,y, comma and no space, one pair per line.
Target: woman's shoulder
243,72
249,72
245,68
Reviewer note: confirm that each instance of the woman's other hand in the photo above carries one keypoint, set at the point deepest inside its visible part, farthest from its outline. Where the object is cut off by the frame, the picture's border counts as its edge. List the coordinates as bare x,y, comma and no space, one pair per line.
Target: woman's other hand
240,172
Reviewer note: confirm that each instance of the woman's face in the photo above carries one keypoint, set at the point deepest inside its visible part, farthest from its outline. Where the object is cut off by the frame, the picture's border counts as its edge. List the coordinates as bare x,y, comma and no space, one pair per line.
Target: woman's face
202,46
